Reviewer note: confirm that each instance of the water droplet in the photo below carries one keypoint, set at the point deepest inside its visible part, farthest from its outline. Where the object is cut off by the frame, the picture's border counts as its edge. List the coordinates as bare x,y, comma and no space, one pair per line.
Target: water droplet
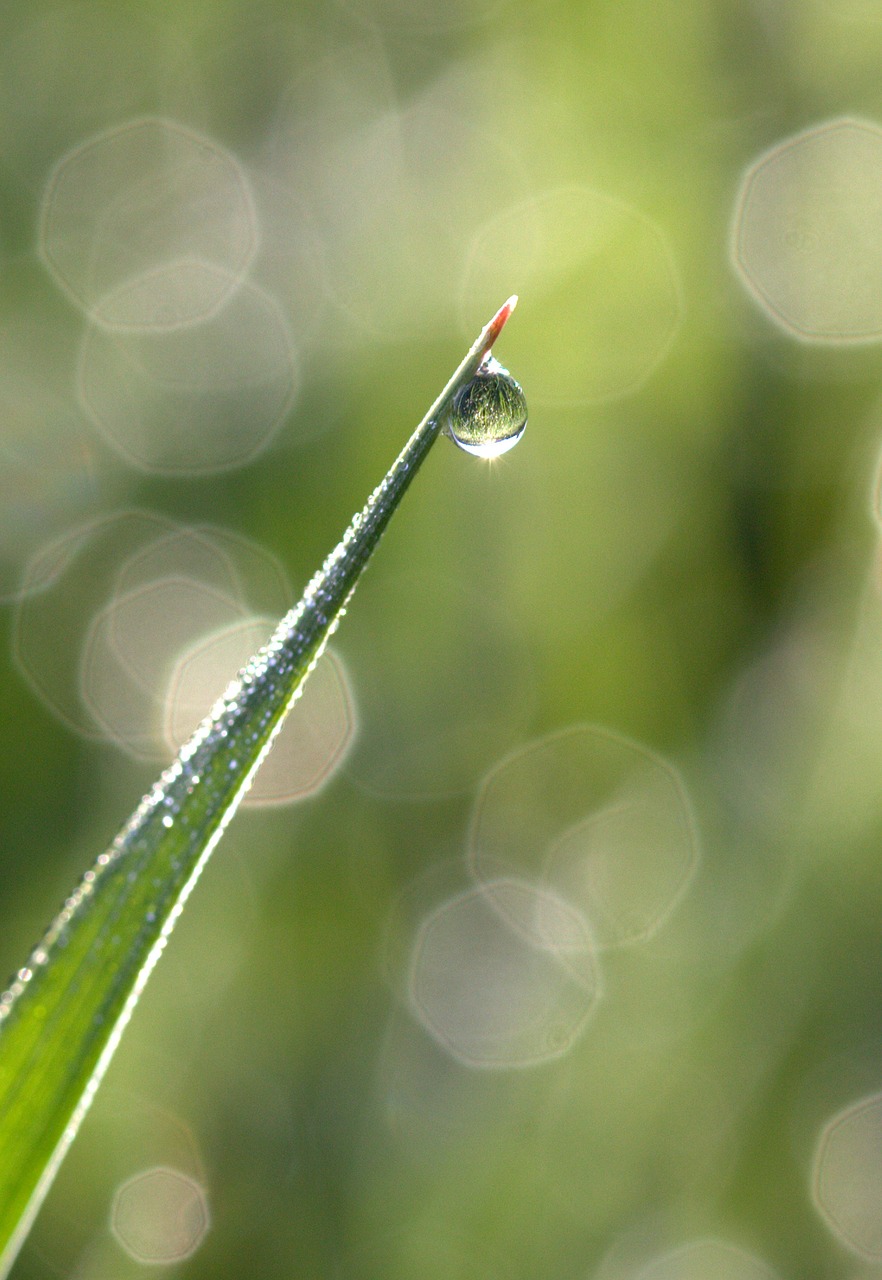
489,414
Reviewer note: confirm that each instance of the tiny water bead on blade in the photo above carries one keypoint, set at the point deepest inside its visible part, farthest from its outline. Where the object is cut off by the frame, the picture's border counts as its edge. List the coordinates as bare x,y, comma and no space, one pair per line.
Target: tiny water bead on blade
488,415
63,1013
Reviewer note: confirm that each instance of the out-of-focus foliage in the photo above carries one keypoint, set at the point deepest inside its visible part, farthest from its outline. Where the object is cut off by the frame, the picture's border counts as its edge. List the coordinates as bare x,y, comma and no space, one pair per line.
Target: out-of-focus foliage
239,247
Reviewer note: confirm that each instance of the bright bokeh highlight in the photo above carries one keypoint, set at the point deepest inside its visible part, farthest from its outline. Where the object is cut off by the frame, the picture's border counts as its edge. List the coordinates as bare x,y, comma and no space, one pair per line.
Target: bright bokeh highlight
806,232
191,401
603,821
130,646
504,975
160,1216
392,184
847,1177
312,743
69,72
582,262
130,593
148,226
241,248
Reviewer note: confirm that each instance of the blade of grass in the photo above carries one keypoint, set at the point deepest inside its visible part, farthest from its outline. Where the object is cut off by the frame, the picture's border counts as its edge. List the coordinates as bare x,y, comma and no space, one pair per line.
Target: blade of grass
66,1008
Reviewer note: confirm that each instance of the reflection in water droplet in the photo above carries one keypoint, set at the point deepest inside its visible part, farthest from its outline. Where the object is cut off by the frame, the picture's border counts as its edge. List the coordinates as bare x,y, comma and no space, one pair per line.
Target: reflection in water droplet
488,416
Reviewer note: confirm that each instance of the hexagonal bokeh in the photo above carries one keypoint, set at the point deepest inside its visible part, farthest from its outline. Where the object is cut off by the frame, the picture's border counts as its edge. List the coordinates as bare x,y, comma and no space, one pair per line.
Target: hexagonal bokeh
148,225
504,975
806,239
160,1216
847,1182
158,621
601,820
130,592
314,740
584,262
67,72
375,186
129,647
197,400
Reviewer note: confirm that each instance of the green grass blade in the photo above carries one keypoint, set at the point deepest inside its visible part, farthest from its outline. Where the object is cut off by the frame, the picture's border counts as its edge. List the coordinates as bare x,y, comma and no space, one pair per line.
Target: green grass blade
65,1010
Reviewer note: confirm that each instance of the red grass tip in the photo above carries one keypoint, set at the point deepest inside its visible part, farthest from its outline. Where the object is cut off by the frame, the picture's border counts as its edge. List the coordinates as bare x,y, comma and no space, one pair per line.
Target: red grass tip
496,325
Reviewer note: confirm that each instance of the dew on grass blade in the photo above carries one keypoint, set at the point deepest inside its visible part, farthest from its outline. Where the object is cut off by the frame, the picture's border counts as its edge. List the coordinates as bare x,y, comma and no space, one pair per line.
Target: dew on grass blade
62,1019
488,416
130,592
313,742
123,693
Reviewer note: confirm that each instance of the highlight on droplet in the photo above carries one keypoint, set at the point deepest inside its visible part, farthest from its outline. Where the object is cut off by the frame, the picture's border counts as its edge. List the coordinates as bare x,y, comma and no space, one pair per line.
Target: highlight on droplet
847,1177
805,233
488,416
130,592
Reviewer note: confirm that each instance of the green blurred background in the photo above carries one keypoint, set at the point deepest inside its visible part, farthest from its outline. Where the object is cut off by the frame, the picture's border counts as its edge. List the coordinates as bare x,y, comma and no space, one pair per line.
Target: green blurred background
683,549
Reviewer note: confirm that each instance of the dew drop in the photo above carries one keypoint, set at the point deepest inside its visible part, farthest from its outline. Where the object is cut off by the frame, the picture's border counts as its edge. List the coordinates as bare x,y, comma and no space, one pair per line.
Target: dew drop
489,414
